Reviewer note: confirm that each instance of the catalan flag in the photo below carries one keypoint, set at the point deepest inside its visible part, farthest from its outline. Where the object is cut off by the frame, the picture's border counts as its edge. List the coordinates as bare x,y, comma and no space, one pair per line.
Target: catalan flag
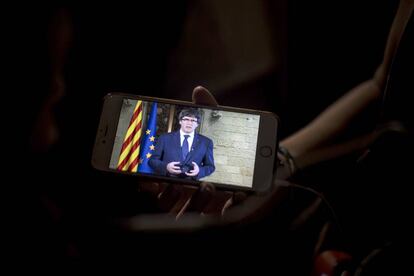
128,159
148,141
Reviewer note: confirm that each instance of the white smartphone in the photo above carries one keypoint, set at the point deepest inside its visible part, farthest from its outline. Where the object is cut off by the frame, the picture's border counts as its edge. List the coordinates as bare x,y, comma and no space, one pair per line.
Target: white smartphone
186,143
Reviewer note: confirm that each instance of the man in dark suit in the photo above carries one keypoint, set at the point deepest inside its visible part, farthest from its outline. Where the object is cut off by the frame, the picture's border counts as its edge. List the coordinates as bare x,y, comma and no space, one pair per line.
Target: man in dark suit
184,153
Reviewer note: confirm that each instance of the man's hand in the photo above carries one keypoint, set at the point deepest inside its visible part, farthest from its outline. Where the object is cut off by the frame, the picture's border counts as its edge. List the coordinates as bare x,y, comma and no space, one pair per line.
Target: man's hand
194,171
173,168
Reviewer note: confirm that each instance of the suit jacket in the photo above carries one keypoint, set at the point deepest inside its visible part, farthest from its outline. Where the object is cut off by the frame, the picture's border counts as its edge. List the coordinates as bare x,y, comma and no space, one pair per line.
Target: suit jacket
168,149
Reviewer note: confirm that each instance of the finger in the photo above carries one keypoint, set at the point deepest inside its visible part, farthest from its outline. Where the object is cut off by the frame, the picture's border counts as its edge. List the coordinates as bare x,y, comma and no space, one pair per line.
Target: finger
196,167
183,201
219,203
191,173
202,197
175,198
169,197
202,96
227,203
150,187
176,167
239,197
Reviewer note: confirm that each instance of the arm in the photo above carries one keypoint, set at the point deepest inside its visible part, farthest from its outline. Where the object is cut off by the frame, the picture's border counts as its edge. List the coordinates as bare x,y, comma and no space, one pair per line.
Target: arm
207,166
335,118
156,161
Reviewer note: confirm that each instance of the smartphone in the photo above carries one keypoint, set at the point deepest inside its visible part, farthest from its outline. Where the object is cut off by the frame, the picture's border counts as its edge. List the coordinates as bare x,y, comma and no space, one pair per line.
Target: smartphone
182,142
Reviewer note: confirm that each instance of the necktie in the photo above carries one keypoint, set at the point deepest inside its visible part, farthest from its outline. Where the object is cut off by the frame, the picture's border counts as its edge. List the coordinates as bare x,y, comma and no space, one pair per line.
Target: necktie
184,148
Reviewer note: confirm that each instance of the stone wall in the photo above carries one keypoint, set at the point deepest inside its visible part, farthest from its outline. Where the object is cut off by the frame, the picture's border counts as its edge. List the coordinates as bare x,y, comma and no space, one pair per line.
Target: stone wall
235,139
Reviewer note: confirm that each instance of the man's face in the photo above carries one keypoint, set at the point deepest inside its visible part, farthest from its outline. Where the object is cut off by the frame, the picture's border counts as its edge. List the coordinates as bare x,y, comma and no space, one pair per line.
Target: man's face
188,124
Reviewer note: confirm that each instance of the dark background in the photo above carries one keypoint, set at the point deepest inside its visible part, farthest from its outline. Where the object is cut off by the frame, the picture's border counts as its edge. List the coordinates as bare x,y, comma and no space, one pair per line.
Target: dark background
320,49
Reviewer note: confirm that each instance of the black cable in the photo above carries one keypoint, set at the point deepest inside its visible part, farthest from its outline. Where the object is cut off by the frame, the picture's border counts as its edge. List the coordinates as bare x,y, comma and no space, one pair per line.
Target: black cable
318,194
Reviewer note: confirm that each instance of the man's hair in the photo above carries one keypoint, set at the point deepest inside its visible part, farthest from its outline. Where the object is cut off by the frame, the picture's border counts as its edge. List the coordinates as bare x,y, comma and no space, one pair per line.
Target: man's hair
190,112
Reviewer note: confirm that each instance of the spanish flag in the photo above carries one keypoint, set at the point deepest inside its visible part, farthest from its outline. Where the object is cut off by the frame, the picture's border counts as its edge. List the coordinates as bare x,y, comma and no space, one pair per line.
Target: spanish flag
128,159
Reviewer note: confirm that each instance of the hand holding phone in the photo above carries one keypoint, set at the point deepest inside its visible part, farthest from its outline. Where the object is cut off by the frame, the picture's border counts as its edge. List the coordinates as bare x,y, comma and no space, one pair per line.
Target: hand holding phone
201,163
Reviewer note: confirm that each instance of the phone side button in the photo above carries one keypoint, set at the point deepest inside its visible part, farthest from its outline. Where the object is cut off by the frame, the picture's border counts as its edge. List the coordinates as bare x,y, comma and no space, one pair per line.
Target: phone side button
265,151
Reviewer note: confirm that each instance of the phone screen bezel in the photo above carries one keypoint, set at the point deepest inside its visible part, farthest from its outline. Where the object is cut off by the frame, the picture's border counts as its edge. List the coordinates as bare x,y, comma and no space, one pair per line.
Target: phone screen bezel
265,159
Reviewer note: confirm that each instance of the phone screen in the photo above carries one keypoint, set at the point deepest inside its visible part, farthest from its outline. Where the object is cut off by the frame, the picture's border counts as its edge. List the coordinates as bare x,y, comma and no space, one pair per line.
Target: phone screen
186,142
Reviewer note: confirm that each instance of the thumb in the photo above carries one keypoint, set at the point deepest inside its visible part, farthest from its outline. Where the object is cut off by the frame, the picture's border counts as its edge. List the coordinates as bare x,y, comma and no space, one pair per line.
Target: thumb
204,97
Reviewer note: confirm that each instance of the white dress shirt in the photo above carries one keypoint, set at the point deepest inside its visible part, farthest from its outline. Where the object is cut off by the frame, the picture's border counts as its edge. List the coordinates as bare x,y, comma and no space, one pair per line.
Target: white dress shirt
189,139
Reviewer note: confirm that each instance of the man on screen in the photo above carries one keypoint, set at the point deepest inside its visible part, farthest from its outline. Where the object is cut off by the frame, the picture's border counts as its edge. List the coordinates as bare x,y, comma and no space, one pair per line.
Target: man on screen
184,153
